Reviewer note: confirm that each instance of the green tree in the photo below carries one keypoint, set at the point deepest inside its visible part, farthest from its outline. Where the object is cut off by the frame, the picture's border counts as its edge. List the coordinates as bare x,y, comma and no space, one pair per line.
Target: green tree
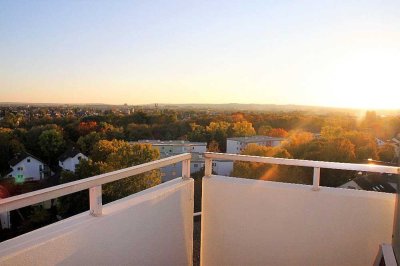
9,147
31,141
52,144
86,143
110,156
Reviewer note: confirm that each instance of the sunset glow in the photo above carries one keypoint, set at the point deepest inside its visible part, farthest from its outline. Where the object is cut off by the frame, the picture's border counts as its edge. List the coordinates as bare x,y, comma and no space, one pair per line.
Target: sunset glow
323,54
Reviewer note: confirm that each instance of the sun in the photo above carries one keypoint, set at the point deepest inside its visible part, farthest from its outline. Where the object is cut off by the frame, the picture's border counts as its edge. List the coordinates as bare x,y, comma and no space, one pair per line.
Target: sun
366,79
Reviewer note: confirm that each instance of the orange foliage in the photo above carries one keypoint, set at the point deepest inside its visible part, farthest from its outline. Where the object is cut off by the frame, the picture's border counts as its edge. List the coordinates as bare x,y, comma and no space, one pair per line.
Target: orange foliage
85,128
278,132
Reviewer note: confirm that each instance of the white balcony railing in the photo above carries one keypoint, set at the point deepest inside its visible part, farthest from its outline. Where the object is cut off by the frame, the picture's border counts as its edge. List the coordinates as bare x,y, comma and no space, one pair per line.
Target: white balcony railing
317,165
256,222
151,227
243,221
93,184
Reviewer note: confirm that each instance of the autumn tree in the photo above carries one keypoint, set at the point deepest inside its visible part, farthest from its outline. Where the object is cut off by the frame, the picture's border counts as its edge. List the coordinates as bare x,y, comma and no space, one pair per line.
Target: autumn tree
386,153
297,143
213,146
365,144
85,128
278,132
332,132
259,170
243,129
264,130
197,133
111,132
218,132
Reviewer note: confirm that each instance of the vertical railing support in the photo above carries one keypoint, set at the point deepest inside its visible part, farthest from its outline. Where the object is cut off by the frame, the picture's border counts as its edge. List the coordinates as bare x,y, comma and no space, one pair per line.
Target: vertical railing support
316,178
186,169
95,200
208,167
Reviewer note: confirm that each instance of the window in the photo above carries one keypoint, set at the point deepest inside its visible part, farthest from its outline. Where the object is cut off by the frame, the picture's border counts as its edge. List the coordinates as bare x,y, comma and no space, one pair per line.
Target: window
28,160
20,168
79,158
196,165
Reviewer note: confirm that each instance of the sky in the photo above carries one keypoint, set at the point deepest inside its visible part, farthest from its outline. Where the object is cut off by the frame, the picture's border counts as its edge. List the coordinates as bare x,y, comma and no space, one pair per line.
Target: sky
324,53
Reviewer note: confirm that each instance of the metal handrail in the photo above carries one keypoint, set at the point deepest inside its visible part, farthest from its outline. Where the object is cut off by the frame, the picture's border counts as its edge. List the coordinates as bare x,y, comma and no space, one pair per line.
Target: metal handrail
93,184
317,165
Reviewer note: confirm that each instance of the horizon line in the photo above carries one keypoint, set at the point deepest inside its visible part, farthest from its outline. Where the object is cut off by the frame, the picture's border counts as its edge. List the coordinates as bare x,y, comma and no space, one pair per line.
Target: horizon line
255,104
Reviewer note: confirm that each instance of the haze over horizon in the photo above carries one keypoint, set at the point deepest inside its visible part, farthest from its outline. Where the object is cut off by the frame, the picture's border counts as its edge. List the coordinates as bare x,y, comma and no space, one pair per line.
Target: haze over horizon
326,53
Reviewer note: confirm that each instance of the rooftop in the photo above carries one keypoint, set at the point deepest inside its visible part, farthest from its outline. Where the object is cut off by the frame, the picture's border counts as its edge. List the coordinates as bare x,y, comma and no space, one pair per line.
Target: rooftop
70,153
172,142
243,221
21,156
255,139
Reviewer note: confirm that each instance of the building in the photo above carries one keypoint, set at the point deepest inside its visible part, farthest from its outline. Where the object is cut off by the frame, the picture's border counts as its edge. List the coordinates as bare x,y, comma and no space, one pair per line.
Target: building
70,159
373,182
26,167
174,147
169,148
238,144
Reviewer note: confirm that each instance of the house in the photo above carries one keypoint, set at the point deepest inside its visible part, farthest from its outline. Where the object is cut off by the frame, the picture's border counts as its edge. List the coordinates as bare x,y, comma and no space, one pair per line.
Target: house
26,167
70,159
373,182
238,144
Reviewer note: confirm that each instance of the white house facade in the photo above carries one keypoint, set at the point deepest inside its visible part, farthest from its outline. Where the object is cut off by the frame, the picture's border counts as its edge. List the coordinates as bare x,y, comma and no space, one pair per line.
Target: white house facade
176,146
26,168
69,160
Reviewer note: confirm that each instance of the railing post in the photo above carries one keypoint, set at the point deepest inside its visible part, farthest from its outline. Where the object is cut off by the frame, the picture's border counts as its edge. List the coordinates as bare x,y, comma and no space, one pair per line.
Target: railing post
185,169
208,167
316,178
95,200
